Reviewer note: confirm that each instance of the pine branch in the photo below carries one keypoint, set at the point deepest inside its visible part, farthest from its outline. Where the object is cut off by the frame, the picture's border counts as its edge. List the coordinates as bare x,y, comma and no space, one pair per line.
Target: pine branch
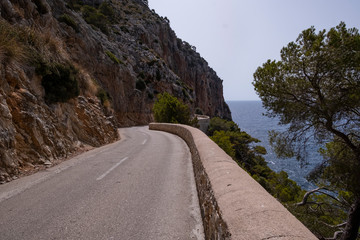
336,235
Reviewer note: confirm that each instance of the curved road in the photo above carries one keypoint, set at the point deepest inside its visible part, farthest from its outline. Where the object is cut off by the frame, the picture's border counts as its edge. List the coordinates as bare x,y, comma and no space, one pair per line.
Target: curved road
141,187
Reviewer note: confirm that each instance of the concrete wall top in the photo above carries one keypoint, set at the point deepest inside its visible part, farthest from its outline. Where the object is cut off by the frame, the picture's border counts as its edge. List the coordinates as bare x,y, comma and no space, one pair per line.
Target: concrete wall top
203,121
248,210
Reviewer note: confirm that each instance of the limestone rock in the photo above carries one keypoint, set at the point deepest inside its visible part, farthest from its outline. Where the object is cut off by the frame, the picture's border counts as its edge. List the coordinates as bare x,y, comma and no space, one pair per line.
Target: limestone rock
131,57
33,132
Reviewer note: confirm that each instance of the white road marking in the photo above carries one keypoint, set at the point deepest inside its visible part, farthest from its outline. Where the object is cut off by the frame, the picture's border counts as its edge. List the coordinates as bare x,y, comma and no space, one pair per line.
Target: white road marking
112,168
143,143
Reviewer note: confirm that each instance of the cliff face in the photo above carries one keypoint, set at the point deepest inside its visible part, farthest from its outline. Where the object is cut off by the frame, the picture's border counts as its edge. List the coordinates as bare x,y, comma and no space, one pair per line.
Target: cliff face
34,133
124,55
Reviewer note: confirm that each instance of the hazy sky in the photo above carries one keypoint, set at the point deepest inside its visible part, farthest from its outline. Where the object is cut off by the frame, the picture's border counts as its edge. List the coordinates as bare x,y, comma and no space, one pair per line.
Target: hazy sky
237,36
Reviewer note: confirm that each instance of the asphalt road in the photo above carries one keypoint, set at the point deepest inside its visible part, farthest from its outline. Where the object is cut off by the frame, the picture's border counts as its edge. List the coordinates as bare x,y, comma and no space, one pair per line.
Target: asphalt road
141,187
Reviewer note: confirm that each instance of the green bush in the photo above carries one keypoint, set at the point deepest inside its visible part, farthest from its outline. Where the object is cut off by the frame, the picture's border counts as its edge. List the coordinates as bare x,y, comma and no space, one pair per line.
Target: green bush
94,17
218,124
241,147
169,109
199,111
106,9
60,82
223,140
69,21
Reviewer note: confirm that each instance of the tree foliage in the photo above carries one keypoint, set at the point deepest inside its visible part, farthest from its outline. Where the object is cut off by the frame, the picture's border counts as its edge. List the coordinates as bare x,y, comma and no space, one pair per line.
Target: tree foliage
222,139
218,124
315,90
168,109
241,147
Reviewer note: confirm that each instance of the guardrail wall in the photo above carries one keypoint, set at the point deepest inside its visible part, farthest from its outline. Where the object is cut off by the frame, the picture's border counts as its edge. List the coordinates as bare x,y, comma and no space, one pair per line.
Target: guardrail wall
233,205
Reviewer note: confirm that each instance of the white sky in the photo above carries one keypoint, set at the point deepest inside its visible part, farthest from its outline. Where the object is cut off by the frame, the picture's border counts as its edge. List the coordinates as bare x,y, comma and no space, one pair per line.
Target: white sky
237,36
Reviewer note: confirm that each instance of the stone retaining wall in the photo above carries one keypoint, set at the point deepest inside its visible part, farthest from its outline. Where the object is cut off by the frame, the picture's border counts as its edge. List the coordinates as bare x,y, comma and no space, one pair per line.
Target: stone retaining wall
233,205
204,122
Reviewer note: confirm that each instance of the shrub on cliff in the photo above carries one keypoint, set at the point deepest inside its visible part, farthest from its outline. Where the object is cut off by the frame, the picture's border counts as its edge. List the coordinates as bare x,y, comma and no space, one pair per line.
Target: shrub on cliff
69,21
94,17
59,82
169,109
106,9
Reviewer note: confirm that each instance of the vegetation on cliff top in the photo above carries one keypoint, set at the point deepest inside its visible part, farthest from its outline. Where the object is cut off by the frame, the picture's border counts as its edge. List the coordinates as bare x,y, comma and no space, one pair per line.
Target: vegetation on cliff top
315,90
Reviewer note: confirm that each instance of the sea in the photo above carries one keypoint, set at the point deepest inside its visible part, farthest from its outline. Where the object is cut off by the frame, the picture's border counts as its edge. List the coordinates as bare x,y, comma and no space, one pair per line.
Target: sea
249,115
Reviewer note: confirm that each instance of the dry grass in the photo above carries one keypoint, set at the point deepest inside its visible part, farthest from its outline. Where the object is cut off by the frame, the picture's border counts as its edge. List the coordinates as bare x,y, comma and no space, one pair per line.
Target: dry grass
88,86
20,44
11,48
23,45
43,45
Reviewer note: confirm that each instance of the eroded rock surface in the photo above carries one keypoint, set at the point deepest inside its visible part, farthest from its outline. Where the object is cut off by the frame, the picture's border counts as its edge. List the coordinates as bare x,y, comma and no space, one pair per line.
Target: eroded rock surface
124,58
34,133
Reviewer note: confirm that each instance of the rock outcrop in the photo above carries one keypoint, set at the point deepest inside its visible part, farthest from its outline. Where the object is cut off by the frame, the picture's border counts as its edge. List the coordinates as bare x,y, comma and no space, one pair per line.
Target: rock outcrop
124,55
33,133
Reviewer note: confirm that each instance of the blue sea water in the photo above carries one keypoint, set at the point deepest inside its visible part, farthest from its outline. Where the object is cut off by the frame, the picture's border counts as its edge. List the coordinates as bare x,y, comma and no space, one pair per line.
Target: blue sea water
249,116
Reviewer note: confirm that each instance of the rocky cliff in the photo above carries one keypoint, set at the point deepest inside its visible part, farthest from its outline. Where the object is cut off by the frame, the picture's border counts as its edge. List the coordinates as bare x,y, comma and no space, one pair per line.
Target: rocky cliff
73,71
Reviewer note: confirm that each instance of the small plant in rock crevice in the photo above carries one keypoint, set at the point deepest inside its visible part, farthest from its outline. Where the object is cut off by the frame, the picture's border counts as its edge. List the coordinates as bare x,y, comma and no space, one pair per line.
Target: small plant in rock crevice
113,57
